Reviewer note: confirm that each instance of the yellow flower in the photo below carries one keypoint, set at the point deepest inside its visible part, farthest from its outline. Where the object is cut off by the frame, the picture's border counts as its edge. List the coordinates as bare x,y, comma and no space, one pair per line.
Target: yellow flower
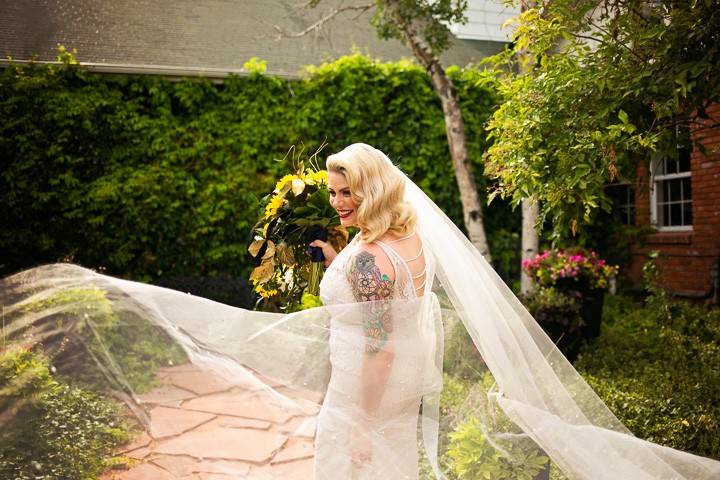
265,293
312,178
273,205
282,182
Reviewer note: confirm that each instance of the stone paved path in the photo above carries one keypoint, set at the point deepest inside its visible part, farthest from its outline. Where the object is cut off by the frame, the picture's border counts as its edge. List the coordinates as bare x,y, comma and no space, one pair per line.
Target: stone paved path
203,428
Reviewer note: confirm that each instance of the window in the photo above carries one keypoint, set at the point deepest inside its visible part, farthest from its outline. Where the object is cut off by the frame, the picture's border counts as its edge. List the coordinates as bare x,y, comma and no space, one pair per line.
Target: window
622,195
671,196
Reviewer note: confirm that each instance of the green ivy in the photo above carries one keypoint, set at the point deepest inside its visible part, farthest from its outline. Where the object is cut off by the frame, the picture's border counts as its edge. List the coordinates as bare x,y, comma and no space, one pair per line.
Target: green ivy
149,178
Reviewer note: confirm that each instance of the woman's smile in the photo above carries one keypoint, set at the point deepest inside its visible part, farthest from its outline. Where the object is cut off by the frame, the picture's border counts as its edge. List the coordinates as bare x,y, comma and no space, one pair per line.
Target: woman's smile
341,198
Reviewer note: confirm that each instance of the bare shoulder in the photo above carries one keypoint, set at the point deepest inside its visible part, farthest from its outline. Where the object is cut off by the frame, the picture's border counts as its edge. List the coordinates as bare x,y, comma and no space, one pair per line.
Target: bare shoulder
371,273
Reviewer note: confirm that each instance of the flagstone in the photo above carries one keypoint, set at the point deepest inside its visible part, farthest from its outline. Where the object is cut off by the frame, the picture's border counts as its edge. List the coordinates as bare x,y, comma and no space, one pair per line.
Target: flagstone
165,395
139,453
215,476
178,465
200,382
294,449
230,444
309,395
224,467
145,471
235,422
166,422
297,470
141,440
185,367
299,426
246,405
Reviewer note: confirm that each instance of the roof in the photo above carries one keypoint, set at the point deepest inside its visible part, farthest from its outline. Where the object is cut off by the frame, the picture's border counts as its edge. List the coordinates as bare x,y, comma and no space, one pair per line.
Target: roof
210,37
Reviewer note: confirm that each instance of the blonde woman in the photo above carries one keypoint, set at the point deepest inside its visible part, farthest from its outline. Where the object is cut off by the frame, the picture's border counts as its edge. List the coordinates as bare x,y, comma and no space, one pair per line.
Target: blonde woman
367,427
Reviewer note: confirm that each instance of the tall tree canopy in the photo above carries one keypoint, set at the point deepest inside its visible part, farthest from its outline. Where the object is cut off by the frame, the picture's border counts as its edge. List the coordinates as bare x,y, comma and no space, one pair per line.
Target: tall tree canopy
614,83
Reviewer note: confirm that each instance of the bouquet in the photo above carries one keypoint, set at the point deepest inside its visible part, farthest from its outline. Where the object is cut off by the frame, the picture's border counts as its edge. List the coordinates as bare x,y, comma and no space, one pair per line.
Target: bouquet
295,213
580,266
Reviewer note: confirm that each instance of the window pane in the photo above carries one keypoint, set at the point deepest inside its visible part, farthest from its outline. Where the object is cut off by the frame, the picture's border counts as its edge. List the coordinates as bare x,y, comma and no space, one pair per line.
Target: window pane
659,166
674,187
687,213
686,188
671,165
675,214
684,159
664,191
663,214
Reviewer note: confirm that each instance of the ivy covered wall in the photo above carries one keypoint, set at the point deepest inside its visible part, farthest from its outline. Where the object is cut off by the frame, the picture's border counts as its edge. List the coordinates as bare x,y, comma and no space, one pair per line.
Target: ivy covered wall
147,177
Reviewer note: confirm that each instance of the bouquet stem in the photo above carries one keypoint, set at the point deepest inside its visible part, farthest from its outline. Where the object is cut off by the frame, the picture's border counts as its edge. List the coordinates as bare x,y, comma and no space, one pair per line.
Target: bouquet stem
314,280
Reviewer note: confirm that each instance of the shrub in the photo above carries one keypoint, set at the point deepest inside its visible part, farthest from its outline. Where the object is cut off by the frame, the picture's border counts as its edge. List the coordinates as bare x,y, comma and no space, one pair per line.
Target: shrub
234,291
657,366
87,327
174,170
64,432
461,358
474,456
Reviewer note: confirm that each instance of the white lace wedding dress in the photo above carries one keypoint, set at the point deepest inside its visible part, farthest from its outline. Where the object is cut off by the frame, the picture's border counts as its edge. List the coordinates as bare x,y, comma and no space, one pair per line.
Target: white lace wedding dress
392,431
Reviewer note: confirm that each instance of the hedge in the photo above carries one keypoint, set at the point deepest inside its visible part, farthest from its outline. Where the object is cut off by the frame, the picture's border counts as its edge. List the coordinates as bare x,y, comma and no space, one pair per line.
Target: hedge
149,178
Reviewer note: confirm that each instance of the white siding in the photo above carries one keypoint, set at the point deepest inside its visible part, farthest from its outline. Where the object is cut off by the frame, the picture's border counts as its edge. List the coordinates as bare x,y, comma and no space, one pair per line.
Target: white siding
485,19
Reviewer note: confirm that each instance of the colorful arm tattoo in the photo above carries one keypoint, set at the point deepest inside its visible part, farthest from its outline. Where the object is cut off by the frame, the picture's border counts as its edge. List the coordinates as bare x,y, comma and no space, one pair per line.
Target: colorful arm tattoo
370,285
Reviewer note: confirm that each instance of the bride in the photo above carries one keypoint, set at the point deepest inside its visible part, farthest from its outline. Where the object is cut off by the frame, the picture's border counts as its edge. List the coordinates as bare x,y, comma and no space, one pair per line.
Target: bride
372,435
371,358
367,427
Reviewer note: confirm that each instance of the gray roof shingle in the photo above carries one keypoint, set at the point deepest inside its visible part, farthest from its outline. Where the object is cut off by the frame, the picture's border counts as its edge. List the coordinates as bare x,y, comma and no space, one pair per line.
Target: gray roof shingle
215,36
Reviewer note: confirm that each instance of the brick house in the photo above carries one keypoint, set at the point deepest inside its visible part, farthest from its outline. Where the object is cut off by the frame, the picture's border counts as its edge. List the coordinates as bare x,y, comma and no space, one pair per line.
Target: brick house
681,199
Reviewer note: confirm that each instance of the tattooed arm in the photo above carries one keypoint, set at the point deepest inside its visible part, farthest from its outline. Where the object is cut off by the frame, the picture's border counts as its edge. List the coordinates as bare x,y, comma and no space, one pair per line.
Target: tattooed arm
372,279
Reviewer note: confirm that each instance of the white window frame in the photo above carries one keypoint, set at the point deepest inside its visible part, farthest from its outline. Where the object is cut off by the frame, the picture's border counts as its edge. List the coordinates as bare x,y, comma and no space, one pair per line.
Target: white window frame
654,179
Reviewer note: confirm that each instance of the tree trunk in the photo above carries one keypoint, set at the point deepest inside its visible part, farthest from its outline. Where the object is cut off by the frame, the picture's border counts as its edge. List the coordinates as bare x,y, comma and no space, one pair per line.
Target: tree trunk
454,129
530,241
530,208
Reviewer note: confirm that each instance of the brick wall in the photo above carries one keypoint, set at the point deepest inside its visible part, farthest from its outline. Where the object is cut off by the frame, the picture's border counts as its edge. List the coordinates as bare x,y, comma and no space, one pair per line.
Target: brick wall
686,257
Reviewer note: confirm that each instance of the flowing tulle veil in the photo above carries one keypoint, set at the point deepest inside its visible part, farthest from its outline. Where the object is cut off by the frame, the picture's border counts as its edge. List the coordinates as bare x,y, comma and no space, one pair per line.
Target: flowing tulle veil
529,402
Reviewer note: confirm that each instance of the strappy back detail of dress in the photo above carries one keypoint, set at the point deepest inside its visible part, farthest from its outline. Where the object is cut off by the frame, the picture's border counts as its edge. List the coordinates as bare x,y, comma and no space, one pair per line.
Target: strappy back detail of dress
418,290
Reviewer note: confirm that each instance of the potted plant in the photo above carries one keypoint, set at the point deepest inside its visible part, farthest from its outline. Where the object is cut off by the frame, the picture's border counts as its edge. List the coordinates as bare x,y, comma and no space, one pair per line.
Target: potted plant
579,274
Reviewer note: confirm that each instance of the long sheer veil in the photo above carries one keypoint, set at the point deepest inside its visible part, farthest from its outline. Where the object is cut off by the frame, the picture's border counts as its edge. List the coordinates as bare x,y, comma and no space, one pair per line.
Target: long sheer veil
246,386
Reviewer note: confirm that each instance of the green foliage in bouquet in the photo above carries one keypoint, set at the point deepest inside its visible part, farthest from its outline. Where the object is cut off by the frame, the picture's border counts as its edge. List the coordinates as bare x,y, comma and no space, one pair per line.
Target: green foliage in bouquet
298,205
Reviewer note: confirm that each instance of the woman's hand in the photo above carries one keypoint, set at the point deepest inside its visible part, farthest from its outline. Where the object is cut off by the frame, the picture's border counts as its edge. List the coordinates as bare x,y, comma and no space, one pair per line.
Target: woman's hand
360,447
327,250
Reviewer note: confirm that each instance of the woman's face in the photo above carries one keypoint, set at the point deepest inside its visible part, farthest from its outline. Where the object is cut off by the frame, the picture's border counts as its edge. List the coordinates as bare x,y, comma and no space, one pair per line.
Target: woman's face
341,200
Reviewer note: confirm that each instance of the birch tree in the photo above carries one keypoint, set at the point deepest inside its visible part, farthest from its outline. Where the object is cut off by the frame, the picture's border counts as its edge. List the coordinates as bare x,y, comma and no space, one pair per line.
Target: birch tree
422,26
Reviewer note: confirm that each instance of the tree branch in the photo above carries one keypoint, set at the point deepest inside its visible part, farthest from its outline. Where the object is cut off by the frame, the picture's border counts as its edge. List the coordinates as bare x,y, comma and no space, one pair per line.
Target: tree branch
322,21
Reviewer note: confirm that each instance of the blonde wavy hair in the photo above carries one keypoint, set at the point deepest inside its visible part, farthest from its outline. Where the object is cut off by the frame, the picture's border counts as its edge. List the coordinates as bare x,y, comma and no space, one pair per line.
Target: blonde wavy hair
378,189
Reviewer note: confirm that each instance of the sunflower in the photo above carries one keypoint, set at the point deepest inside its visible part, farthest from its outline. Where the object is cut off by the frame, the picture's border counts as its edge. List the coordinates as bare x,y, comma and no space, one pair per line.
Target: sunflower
273,205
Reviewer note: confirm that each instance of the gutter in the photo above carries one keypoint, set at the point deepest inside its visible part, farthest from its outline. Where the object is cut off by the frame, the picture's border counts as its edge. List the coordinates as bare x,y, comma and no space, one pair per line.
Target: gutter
169,71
